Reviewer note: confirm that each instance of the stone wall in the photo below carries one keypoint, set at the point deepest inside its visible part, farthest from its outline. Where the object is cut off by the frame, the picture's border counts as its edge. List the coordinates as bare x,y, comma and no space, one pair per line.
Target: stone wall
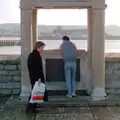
113,77
10,77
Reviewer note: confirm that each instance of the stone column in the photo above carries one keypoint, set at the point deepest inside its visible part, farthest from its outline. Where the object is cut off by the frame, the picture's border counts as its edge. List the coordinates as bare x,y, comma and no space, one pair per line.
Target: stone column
34,26
98,61
26,47
90,36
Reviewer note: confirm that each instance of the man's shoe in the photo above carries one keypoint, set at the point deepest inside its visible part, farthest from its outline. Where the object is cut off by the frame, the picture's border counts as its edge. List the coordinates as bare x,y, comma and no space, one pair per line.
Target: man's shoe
74,95
69,96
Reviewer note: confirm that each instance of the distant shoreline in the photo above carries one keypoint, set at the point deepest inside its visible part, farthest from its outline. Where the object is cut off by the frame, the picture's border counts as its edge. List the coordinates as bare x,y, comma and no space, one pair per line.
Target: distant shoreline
18,39
54,32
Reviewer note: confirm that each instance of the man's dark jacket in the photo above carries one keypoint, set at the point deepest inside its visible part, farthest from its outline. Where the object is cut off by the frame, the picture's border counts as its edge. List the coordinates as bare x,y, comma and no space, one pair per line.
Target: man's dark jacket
35,67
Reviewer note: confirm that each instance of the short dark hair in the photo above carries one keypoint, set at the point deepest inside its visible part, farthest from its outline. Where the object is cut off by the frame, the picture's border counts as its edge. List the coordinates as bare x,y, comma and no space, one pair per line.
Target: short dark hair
38,45
66,38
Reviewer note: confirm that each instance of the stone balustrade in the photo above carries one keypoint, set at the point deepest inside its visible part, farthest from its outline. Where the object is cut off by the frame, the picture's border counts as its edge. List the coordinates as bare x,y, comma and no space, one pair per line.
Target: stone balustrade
10,42
10,72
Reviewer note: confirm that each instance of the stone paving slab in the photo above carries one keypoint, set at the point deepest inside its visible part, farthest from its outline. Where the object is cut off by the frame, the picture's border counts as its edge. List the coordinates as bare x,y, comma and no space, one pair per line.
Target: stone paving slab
15,114
14,109
106,113
90,113
62,110
65,116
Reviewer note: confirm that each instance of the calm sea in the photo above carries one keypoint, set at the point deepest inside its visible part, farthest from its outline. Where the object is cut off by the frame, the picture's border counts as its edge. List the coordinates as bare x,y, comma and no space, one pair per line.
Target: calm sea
111,46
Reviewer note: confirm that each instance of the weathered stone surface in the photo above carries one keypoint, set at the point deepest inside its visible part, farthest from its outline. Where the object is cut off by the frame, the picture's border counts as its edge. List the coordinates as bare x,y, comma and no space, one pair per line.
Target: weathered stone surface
15,91
10,67
15,113
1,67
62,110
5,91
14,72
107,113
96,113
73,115
19,67
10,85
113,84
10,77
16,78
5,78
9,91
14,109
112,77
3,72
113,91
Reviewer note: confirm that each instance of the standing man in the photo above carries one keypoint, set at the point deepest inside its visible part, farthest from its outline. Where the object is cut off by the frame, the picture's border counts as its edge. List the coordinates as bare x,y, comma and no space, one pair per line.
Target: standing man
69,53
35,68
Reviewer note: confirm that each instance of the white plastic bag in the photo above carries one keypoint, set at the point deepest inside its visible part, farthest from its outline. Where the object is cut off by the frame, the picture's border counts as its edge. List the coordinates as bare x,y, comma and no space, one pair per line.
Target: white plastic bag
37,95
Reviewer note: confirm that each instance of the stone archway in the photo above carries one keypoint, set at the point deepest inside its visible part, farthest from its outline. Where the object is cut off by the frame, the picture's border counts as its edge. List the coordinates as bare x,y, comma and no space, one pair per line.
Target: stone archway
96,14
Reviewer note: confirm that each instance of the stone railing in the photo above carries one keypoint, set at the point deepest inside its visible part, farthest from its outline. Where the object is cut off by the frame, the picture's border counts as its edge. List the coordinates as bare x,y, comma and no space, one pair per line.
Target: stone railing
53,59
10,75
112,76
10,42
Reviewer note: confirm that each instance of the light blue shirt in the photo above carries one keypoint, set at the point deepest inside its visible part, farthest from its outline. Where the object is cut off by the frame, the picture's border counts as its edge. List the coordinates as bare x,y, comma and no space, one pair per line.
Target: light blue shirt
69,51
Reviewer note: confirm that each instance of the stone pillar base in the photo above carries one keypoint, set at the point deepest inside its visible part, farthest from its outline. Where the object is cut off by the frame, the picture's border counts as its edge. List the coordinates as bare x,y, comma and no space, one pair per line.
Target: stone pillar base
25,91
98,94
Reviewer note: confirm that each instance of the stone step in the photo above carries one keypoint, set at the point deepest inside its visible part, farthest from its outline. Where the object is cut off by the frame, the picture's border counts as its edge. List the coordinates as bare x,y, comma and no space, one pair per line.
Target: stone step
62,110
64,92
63,101
56,102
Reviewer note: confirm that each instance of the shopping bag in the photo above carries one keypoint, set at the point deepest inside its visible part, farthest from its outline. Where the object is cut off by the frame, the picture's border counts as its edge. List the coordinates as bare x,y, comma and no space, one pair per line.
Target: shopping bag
37,94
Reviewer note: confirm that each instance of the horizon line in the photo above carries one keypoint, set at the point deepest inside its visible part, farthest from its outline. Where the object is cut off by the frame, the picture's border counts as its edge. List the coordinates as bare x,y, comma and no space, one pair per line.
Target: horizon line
63,25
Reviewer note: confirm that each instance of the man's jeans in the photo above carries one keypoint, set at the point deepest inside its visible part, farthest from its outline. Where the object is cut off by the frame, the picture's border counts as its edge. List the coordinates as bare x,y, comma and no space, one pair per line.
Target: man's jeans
70,76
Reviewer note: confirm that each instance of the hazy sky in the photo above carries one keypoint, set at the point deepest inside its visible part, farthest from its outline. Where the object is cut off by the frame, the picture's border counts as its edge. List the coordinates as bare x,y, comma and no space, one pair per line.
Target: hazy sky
10,13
